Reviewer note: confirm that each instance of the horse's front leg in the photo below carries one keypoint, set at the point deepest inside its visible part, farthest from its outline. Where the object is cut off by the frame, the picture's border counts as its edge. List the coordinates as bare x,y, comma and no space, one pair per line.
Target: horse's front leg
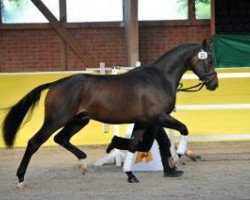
136,138
168,121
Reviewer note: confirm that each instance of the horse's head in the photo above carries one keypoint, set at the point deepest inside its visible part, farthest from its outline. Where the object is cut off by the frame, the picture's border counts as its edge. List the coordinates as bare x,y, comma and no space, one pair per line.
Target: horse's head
201,64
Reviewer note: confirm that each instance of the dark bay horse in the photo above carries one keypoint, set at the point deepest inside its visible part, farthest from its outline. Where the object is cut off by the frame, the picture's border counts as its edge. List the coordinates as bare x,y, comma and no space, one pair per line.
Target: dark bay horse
143,96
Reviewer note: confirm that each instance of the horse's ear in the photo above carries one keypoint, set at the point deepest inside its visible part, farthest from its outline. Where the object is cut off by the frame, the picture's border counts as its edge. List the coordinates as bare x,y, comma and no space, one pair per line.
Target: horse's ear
204,44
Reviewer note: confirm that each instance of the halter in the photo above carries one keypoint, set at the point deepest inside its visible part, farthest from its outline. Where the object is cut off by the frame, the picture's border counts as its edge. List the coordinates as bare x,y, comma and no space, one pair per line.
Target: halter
202,55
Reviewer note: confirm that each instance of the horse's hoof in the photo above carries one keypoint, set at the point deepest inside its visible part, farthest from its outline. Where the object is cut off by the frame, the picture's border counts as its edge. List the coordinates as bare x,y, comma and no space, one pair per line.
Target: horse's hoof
83,169
21,185
175,160
172,162
83,166
193,156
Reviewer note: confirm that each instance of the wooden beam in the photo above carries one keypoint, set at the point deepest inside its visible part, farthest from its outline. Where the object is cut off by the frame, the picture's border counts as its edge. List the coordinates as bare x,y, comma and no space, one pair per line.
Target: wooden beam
82,54
82,25
131,31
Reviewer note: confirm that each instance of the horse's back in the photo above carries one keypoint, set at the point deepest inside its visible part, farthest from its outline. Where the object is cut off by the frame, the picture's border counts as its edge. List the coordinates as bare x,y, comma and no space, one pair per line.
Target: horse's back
110,98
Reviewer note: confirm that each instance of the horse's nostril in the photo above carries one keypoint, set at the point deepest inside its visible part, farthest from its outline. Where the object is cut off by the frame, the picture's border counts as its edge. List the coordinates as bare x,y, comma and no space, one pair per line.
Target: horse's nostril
216,85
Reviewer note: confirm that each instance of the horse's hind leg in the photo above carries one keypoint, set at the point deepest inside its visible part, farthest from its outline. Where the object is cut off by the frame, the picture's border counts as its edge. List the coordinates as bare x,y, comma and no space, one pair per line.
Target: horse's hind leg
70,129
34,143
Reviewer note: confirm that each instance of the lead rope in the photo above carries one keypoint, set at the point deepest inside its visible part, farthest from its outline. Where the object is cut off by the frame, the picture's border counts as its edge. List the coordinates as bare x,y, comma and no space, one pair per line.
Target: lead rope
199,86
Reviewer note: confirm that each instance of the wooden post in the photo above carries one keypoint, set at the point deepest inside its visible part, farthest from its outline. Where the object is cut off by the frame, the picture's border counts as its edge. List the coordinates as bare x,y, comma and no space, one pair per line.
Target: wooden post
63,10
131,31
191,11
82,54
1,5
212,20
63,44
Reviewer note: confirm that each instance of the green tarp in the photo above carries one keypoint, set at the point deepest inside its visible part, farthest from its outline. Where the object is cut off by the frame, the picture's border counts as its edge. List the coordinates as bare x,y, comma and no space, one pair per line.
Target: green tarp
231,50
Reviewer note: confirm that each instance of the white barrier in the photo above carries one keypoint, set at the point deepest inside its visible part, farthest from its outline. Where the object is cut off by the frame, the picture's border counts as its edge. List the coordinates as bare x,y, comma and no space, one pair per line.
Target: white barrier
145,161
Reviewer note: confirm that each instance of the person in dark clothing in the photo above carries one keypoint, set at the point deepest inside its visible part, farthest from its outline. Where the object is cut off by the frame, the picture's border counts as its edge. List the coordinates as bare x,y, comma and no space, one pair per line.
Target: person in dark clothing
154,132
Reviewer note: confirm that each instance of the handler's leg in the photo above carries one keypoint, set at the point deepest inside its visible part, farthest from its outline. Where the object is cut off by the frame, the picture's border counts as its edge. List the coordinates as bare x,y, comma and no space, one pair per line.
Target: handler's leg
144,145
118,143
137,136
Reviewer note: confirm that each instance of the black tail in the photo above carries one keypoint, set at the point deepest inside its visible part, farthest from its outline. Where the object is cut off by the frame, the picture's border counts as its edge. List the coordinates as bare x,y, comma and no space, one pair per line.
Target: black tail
15,116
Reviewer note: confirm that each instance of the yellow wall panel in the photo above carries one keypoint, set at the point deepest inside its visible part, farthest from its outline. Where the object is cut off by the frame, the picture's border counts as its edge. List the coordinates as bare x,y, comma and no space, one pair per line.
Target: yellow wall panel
202,122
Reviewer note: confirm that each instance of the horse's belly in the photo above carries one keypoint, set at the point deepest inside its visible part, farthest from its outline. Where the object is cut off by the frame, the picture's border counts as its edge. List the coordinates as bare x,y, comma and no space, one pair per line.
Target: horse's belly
116,117
125,115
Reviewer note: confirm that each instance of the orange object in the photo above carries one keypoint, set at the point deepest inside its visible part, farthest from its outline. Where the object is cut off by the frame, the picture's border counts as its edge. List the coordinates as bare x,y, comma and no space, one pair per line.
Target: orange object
147,156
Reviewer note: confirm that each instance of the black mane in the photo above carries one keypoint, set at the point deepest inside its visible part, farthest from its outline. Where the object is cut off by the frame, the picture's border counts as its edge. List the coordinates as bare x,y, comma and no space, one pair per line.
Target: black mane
174,54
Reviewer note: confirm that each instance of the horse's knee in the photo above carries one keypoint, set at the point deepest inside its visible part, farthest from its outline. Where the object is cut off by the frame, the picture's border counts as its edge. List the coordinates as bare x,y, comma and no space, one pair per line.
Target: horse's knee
183,130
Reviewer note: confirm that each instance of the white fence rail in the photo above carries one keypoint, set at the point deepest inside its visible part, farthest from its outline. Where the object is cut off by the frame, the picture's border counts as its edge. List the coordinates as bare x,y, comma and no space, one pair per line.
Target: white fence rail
214,106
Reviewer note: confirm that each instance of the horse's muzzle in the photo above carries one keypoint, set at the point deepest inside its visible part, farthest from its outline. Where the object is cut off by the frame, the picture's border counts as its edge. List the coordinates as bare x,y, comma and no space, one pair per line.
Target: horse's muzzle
212,84
211,81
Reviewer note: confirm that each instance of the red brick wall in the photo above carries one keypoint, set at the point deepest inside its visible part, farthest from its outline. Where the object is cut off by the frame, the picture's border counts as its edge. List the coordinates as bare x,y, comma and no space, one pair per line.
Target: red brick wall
41,49
155,41
104,44
24,50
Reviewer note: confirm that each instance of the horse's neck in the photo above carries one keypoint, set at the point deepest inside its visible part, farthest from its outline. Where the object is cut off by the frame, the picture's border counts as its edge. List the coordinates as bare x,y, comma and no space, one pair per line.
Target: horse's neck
173,66
173,72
